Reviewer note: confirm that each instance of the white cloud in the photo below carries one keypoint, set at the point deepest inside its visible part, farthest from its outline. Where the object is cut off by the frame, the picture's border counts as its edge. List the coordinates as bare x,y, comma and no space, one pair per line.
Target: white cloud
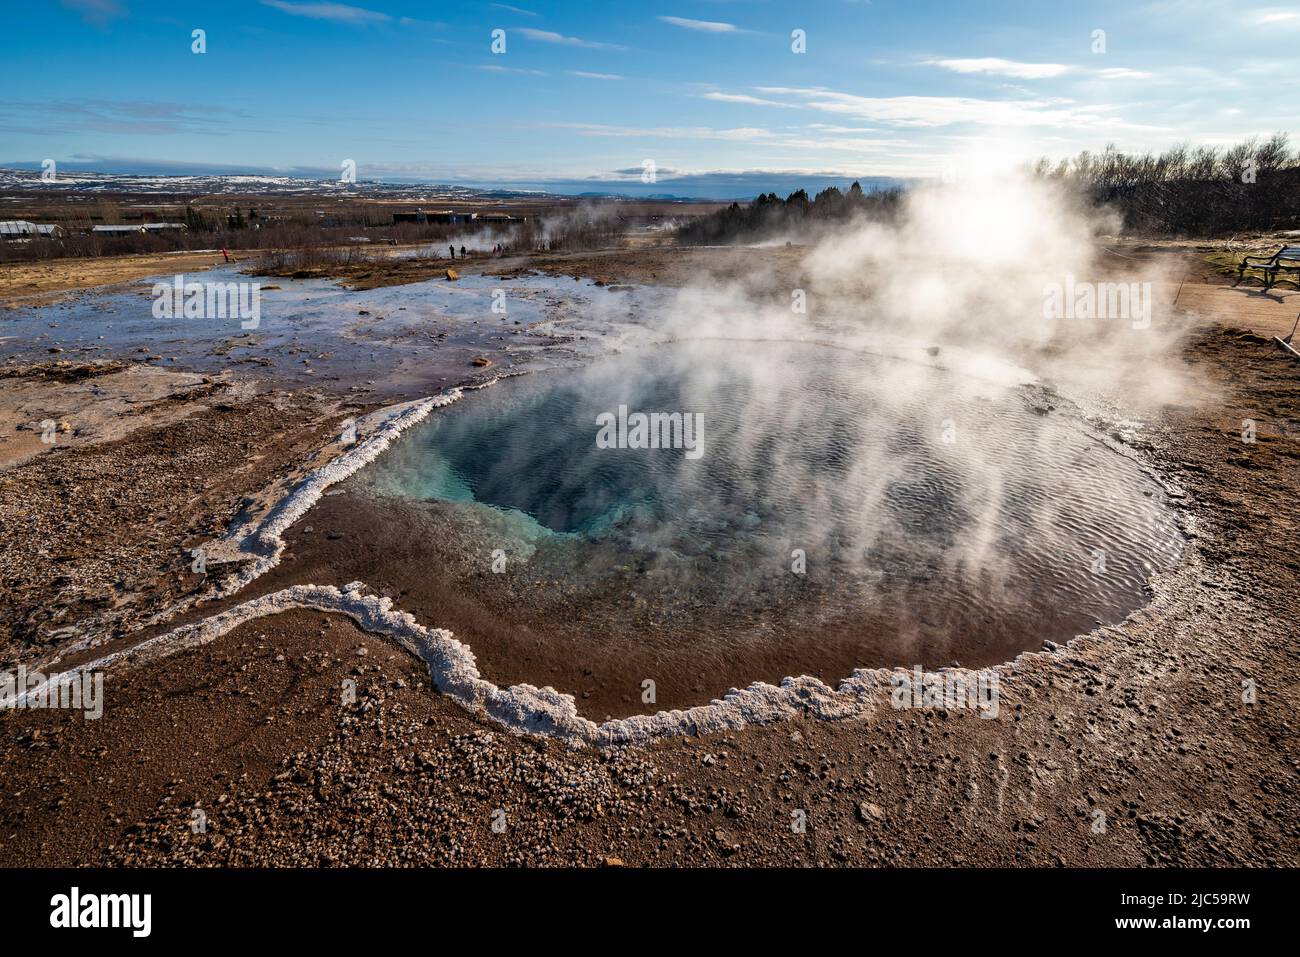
832,128
995,66
1123,73
742,98
337,12
98,12
739,134
1000,67
494,68
769,139
926,111
594,76
706,26
546,36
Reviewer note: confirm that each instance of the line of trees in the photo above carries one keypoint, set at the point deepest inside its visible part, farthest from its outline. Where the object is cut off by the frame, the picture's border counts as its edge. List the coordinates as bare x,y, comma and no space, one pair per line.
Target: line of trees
1253,186
586,227
1191,191
212,232
770,217
256,228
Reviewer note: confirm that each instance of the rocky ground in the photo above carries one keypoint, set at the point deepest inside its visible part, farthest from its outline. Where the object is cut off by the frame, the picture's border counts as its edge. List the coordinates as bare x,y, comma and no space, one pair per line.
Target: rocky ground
1170,739
97,522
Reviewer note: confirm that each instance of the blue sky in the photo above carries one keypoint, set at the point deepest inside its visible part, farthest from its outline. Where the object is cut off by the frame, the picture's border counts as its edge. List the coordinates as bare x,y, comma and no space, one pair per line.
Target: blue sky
587,92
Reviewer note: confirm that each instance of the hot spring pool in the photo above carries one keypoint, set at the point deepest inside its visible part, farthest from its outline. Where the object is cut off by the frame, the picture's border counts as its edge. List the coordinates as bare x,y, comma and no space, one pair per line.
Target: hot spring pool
835,510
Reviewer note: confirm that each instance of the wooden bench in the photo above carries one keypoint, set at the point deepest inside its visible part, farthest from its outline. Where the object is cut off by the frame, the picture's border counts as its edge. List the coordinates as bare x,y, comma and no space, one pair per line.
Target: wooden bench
1286,259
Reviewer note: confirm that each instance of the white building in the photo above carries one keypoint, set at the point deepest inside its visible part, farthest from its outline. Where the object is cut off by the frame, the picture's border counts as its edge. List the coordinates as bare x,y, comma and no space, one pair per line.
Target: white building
11,229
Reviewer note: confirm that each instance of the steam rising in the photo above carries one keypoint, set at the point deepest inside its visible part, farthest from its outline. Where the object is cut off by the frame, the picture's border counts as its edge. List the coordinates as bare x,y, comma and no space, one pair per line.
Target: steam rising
914,432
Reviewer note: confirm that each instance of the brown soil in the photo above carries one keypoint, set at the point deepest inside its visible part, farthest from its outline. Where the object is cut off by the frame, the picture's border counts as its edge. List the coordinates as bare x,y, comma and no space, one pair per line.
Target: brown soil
648,264
665,265
376,268
42,282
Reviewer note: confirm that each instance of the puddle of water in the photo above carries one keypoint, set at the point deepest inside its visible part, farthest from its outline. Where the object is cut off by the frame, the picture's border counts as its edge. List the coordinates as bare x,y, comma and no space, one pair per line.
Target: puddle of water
316,330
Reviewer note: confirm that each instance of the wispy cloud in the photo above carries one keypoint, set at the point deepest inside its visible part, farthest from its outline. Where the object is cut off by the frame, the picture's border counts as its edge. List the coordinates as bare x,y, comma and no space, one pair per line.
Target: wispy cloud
506,6
743,134
996,66
97,12
547,36
416,22
924,111
337,12
1123,73
594,76
1001,67
741,98
833,128
705,26
135,117
494,68
738,134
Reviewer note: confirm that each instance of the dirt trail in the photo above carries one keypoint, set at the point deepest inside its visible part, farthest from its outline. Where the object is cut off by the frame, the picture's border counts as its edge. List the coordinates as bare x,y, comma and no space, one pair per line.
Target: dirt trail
1268,314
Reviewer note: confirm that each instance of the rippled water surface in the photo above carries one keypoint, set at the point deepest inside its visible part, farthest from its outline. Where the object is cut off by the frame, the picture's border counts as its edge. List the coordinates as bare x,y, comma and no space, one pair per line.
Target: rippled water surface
830,486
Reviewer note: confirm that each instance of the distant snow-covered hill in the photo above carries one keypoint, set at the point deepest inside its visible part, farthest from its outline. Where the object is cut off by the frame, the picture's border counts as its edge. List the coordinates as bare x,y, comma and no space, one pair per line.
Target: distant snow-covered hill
27,180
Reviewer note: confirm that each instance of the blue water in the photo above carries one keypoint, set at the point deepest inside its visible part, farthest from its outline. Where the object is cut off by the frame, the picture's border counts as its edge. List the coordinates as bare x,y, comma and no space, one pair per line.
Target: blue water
979,502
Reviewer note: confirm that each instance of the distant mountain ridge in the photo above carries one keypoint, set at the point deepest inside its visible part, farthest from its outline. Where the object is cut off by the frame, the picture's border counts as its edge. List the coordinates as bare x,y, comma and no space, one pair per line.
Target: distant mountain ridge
674,187
235,184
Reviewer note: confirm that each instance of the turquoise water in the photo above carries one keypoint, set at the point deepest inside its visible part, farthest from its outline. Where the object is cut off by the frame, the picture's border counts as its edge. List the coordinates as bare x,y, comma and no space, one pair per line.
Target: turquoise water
976,505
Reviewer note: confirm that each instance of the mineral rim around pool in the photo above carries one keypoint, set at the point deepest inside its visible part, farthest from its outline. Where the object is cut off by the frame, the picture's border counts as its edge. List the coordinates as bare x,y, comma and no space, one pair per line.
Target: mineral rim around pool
808,511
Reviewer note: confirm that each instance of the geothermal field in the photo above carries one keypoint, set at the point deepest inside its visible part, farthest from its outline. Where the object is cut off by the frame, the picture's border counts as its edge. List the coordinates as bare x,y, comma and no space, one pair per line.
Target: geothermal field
939,514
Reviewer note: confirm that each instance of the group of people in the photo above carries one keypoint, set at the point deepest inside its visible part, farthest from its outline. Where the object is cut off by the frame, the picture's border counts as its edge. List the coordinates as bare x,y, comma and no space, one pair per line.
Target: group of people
498,249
